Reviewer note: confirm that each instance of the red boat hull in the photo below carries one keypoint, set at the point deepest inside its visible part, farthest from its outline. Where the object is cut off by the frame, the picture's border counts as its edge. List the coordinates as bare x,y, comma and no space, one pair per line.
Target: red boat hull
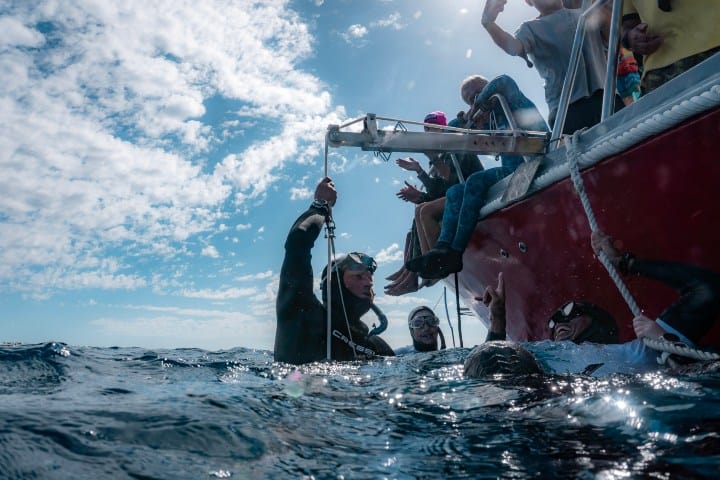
656,199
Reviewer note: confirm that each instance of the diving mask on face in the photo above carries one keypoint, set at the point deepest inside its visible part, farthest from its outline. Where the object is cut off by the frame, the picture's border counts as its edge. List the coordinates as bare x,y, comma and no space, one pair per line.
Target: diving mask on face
424,319
356,261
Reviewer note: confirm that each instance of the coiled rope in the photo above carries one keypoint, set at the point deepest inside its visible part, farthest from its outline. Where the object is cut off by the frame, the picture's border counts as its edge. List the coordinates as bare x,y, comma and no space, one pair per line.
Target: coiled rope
573,156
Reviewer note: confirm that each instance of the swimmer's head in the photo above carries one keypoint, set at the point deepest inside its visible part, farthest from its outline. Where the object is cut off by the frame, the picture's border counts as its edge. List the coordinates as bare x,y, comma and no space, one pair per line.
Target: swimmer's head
583,322
356,271
500,358
424,328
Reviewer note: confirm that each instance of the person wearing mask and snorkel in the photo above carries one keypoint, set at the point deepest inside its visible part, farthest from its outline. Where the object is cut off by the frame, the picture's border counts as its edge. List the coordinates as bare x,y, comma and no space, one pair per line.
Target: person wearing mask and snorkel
301,333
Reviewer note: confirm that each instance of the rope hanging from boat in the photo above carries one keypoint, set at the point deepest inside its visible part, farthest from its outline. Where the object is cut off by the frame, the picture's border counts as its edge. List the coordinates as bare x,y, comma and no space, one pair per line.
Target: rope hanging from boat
573,155
457,304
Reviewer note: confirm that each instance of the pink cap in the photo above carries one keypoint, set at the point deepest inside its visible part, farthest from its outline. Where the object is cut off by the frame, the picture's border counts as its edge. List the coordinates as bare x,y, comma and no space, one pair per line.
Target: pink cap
438,118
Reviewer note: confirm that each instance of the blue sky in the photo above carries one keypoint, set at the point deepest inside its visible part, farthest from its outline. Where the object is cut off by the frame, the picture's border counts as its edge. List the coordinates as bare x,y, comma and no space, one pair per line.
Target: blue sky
155,153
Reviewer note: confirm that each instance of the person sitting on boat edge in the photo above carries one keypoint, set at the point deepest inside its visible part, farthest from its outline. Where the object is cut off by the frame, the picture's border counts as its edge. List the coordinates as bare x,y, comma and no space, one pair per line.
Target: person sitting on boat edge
687,319
425,331
463,201
301,332
429,204
672,36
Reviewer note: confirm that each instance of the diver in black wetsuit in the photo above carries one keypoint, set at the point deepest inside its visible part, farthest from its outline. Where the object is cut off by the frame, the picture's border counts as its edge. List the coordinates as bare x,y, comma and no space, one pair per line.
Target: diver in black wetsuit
687,319
301,334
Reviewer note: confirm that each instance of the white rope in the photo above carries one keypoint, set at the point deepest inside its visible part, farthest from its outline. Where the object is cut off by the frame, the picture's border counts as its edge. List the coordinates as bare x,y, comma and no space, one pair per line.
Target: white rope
678,348
573,155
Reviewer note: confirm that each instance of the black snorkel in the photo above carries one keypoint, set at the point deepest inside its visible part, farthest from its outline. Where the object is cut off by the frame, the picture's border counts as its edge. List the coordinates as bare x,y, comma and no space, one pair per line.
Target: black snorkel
381,317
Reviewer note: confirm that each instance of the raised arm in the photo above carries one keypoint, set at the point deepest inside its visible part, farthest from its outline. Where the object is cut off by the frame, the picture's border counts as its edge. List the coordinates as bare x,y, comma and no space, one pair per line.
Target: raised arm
510,44
494,299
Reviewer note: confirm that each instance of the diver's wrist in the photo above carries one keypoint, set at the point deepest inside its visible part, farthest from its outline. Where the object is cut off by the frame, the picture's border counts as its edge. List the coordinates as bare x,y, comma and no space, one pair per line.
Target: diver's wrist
321,205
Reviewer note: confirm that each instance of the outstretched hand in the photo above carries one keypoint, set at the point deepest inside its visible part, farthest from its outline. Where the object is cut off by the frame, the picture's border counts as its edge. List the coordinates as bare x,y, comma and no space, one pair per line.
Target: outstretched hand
409,193
494,299
325,190
409,164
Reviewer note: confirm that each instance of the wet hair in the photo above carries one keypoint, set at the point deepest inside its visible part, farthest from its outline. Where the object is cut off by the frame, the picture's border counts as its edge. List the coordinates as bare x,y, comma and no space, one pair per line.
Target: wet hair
500,358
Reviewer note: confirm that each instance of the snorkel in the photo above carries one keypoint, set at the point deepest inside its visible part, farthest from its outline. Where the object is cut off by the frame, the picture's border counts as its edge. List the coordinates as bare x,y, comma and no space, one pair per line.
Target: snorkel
381,317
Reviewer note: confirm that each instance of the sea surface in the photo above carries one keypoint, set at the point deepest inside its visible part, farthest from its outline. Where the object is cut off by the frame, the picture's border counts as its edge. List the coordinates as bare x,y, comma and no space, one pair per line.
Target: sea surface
127,413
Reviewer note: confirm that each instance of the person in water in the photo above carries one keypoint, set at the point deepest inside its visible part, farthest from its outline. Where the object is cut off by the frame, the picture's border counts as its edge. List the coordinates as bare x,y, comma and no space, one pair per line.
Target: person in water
425,331
687,320
463,201
301,333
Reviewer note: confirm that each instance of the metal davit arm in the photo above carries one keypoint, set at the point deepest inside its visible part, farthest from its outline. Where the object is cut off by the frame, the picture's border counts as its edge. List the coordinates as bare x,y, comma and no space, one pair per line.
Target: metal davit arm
453,140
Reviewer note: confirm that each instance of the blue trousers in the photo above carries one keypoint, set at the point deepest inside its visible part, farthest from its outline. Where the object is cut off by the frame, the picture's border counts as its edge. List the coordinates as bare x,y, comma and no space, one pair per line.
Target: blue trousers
464,201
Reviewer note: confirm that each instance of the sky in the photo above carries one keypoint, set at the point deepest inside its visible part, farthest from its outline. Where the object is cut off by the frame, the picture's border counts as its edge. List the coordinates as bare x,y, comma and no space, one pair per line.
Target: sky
154,154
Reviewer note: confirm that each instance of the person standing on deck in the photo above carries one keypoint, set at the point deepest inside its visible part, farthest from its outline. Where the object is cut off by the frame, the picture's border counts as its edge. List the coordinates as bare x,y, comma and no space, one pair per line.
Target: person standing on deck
547,40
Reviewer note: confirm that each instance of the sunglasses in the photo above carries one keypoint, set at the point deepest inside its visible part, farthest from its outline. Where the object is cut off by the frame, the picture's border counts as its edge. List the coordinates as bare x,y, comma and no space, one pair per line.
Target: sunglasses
565,313
420,320
357,261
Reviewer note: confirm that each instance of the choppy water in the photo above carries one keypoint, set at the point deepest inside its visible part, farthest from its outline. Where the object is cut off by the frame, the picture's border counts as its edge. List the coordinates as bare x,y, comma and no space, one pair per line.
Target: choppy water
68,412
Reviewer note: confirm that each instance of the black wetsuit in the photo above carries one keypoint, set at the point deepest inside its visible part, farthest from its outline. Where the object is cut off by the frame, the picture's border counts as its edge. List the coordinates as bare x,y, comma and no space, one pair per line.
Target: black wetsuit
301,318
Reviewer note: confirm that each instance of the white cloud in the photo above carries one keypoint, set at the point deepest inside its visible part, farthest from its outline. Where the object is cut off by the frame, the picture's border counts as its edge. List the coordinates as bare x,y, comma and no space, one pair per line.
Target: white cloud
210,251
219,294
355,34
300,193
256,276
243,226
14,34
391,21
176,327
104,149
393,253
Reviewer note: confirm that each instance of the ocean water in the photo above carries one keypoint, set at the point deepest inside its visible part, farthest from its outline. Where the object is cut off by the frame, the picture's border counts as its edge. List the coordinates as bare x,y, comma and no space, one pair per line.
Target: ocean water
83,412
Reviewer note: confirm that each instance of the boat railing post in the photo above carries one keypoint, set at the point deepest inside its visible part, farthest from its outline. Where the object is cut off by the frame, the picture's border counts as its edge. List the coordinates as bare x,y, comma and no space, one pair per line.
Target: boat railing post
328,347
608,107
456,166
569,81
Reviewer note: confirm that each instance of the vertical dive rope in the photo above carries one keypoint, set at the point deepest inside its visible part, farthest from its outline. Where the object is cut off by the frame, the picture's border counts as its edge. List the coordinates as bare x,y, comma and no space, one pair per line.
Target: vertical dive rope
447,315
457,304
329,233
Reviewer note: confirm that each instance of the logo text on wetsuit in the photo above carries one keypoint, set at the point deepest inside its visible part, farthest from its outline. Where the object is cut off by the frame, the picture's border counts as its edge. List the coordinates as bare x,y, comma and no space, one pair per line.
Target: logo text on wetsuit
353,345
